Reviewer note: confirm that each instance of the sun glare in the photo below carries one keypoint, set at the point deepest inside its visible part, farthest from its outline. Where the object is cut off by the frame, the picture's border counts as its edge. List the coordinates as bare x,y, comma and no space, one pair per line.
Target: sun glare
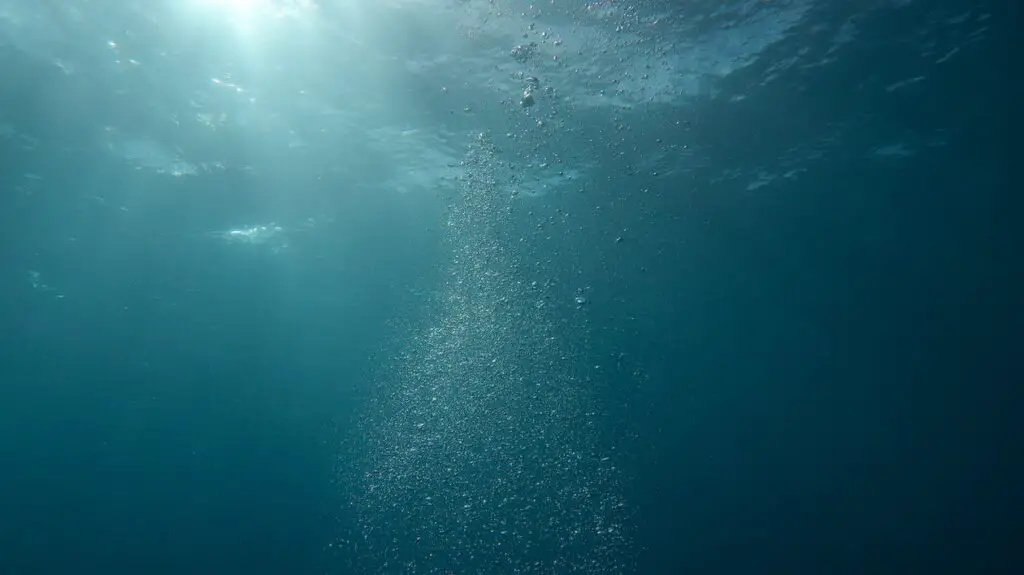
249,15
233,7
245,17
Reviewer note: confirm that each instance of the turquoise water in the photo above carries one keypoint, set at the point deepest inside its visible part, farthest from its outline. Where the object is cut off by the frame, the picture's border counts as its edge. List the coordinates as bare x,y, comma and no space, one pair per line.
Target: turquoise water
437,286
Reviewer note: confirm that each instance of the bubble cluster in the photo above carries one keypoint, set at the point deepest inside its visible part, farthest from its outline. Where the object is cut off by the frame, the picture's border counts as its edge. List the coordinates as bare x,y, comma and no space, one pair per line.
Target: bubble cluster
480,449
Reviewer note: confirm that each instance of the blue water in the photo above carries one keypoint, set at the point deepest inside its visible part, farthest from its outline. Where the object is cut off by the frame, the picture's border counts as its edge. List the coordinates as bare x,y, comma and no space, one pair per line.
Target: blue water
315,287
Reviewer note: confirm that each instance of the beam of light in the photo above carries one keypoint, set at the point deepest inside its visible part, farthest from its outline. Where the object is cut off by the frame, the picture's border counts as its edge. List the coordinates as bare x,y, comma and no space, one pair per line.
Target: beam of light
249,18
244,16
234,8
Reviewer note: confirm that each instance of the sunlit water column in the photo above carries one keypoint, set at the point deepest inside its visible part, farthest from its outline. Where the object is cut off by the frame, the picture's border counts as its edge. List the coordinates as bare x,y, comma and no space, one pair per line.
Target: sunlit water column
482,451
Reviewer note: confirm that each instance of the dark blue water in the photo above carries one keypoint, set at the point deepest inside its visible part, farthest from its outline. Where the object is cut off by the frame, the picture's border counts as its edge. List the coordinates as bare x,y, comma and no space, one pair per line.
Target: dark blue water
780,303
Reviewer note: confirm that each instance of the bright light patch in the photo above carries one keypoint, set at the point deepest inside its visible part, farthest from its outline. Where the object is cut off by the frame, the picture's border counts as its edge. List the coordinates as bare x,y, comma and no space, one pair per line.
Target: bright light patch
249,17
237,8
245,16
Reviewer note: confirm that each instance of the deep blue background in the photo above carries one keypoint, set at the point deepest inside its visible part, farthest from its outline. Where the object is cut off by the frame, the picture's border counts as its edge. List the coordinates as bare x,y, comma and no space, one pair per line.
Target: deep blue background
820,376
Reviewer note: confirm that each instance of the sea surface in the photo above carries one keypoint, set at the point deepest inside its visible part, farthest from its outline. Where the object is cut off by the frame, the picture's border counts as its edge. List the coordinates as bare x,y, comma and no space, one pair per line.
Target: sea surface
495,287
